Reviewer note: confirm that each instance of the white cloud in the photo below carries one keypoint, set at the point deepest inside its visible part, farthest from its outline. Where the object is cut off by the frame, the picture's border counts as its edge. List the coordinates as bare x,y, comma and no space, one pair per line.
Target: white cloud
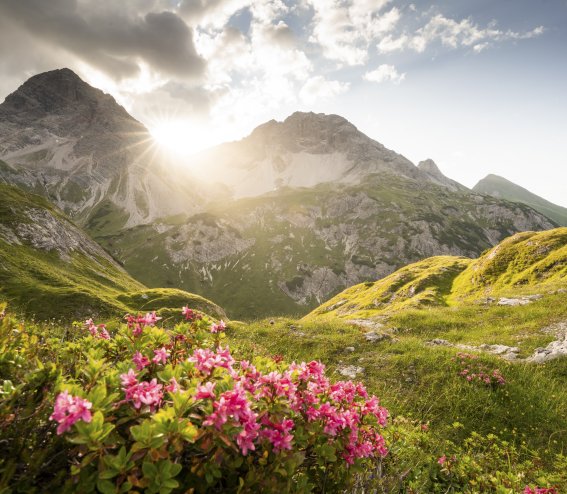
385,73
345,29
389,44
453,34
319,88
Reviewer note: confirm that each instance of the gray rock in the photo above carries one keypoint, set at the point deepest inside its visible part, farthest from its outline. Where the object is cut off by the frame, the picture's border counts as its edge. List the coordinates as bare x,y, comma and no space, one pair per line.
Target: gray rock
519,301
350,371
374,337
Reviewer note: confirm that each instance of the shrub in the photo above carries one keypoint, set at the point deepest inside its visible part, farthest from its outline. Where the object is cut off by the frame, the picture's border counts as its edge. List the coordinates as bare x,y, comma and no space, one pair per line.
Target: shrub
153,410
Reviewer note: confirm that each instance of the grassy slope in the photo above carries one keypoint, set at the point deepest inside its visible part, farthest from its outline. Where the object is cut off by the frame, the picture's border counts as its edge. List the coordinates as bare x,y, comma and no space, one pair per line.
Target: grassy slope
42,284
500,187
421,381
526,263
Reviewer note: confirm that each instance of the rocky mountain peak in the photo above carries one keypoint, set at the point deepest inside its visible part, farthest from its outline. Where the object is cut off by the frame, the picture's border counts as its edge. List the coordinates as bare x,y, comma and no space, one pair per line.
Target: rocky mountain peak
434,174
62,93
429,166
316,133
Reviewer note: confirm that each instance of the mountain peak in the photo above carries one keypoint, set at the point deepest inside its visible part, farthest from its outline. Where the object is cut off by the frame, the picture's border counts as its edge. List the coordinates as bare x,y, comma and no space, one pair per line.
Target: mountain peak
430,168
502,188
58,92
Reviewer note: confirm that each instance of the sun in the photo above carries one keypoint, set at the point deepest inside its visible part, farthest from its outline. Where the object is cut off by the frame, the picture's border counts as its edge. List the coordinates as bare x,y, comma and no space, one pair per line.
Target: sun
179,137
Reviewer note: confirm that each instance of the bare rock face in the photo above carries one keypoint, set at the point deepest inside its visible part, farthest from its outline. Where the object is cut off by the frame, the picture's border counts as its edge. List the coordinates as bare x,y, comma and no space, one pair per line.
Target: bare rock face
47,231
77,146
304,150
430,168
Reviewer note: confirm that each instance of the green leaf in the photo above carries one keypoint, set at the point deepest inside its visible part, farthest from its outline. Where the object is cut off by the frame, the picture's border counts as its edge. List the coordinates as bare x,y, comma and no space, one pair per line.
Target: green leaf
105,486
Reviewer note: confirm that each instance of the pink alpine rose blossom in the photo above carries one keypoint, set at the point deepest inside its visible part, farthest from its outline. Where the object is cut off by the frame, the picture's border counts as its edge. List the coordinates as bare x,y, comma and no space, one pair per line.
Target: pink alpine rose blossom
70,409
140,360
160,356
218,328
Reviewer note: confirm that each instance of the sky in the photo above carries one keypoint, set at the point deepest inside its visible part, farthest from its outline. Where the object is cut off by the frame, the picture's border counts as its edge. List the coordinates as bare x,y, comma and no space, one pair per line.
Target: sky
479,86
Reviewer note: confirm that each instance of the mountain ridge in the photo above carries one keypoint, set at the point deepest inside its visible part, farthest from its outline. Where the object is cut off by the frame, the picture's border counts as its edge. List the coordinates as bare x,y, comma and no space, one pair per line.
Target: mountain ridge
502,188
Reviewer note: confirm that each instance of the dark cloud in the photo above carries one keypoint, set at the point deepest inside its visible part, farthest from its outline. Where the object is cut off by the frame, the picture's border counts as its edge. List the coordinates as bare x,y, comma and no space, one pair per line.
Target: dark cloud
114,39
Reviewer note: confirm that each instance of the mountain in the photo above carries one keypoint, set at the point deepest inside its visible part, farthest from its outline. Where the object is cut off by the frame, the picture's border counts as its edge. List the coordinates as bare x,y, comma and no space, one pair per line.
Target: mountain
499,187
430,168
305,150
75,145
274,223
288,251
50,268
519,269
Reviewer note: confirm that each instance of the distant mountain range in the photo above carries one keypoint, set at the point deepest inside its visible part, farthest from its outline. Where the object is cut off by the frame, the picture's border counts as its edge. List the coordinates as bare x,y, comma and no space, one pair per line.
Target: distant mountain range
499,187
275,223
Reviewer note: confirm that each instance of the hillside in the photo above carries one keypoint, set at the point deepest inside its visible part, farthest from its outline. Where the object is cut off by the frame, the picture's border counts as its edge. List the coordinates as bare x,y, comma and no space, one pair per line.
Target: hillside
50,268
288,251
499,187
524,264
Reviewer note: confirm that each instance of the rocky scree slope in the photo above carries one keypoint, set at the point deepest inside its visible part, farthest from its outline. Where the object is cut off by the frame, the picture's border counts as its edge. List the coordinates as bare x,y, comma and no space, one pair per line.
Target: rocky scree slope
74,144
50,268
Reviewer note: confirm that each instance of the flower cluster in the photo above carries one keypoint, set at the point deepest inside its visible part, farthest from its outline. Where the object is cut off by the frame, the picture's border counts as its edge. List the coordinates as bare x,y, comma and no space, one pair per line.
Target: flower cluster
180,398
138,322
97,330
141,393
69,409
190,314
218,328
540,490
474,371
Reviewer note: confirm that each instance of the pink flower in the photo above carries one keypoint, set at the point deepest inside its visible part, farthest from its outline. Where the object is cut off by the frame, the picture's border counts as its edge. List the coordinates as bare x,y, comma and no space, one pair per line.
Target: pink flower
218,328
138,322
233,405
160,355
140,360
141,393
190,314
540,490
69,409
129,379
205,391
173,386
151,318
206,360
245,438
94,330
442,460
278,433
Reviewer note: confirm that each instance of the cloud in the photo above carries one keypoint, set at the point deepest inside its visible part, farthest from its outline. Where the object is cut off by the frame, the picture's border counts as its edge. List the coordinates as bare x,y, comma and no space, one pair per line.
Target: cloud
345,30
384,73
114,40
453,34
318,88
